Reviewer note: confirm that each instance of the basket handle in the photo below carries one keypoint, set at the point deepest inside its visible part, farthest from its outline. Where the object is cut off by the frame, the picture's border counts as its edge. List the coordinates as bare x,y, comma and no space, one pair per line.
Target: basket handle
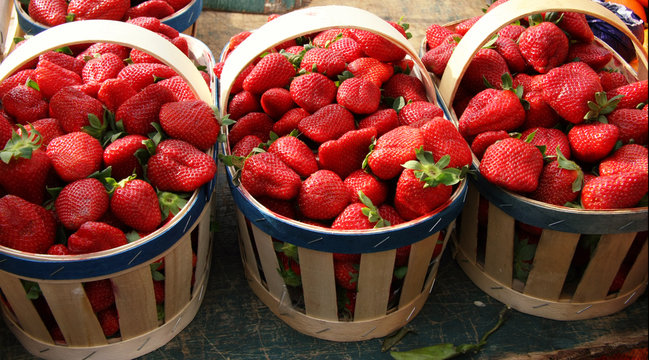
306,21
118,32
510,11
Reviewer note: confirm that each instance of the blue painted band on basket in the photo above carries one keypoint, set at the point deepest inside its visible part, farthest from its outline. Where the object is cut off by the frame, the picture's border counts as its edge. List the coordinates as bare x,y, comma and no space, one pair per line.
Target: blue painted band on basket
90,266
562,218
180,20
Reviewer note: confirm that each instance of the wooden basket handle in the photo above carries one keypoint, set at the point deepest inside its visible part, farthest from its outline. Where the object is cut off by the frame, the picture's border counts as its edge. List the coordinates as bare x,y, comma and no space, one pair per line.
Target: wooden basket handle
510,11
306,21
89,31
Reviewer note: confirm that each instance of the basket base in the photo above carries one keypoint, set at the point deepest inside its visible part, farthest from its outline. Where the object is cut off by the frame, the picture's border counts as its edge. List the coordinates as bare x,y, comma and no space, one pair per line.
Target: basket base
128,349
555,310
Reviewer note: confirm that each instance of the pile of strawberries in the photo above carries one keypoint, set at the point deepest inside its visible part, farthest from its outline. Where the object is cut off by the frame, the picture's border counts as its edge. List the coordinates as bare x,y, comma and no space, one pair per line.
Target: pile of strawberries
101,145
546,113
57,12
331,129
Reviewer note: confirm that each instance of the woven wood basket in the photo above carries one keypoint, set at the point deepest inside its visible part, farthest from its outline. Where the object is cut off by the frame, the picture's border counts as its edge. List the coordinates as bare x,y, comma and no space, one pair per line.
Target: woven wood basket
61,278
486,251
316,312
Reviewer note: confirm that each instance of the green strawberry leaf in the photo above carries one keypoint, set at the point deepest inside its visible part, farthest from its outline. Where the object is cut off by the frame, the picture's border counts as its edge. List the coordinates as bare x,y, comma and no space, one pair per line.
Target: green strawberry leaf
65,50
226,121
69,17
400,272
21,145
372,212
32,290
155,274
171,203
32,84
132,236
431,173
395,338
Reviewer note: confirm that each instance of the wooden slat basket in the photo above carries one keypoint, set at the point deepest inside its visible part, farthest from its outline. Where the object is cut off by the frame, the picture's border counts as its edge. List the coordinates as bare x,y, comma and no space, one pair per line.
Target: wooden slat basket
486,248
61,278
313,309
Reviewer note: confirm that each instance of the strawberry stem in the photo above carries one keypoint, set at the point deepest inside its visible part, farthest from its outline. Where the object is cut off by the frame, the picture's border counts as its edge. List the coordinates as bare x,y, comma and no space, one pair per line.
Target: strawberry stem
21,145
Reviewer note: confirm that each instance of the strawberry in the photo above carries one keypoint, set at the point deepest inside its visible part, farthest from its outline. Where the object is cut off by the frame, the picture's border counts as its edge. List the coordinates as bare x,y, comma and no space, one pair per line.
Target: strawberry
58,249
568,88
441,138
101,68
577,27
324,61
358,95
104,48
611,79
509,50
139,111
6,128
322,196
51,78
276,102
113,93
540,113
296,154
254,123
246,145
409,87
435,34
135,203
628,158
273,70
618,191
159,291
235,40
382,120
280,207
64,60
353,218
402,255
312,91
463,26
93,236
25,167
375,189
193,121
17,78
48,12
348,48
393,149
327,123
265,174
242,103
417,110
633,94
178,166
25,104
544,46
559,183
512,164
511,31
159,9
81,201
327,37
48,128
482,141
75,155
632,123
179,87
371,69
25,226
289,121
98,9
592,142
143,74
72,108
100,294
487,65
551,139
120,156
346,274
347,153
378,47
109,321
390,214
492,109
592,54
436,59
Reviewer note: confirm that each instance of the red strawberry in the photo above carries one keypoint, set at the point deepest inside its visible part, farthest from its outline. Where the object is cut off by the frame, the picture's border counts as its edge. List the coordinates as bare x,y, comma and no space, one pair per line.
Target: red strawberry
487,65
577,27
463,26
17,78
254,123
119,155
48,128
139,111
512,164
93,236
265,174
159,291
25,226
312,91
144,74
611,79
632,123
109,321
24,167
418,110
179,87
628,158
352,218
58,249
390,214
347,153
25,104
289,121
327,123
441,138
113,93
346,274
75,155
178,166
482,141
48,12
159,9
511,31
280,207
324,61
296,154
64,60
98,9
246,145
409,87
492,109
323,195
235,40
618,191
326,37
436,59
242,103
633,94
435,34
509,50
378,47
81,201
135,203
540,113
393,149
348,48
550,138
51,78
276,102
72,107
6,128
376,190
559,183
101,68
358,95
402,255
544,46
382,120
371,69
592,142
193,121
100,294
104,48
273,70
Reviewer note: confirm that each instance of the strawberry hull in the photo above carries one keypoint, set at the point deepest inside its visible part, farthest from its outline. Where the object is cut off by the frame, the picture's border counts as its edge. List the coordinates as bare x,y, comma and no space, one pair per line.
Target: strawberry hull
579,251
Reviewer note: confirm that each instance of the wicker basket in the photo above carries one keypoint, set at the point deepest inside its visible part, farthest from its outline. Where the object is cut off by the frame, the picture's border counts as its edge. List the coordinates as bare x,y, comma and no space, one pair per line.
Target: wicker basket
313,310
486,249
61,278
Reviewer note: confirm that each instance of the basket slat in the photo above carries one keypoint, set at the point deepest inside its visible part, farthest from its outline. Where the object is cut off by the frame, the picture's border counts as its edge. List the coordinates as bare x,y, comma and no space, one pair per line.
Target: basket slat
420,256
499,253
603,266
247,252
25,311
79,327
269,263
317,272
468,237
374,279
203,247
135,301
178,277
638,272
551,263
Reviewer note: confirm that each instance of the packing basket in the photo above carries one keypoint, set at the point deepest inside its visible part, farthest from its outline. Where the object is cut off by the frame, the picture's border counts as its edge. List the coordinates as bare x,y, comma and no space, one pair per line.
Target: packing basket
61,278
314,310
486,249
